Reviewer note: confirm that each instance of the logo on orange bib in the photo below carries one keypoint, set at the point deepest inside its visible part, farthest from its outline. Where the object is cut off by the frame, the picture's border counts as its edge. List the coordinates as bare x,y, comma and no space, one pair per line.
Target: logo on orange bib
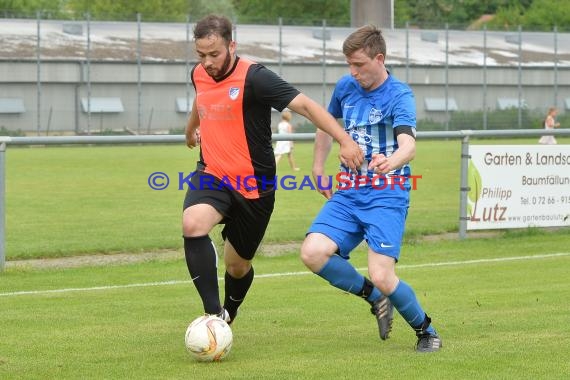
234,93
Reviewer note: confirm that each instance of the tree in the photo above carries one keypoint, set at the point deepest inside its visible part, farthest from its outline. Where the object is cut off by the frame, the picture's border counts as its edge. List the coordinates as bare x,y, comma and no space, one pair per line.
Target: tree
200,8
509,14
427,13
508,18
49,8
298,12
545,14
151,10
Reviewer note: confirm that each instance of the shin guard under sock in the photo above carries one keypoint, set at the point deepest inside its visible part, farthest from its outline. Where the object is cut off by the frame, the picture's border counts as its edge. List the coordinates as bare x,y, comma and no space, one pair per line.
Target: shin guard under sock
235,291
341,274
404,300
202,262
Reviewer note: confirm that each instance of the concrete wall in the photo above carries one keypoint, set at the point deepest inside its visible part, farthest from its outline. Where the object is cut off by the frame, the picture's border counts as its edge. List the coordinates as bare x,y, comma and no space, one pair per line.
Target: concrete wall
377,12
151,106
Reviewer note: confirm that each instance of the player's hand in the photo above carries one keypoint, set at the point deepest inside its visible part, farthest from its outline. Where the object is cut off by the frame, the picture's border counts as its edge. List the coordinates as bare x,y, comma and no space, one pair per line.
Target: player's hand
323,184
379,164
193,138
351,155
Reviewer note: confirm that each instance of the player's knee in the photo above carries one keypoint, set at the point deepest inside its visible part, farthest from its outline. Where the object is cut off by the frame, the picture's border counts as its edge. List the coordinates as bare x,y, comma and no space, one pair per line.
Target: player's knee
238,269
313,254
198,220
193,227
308,252
384,279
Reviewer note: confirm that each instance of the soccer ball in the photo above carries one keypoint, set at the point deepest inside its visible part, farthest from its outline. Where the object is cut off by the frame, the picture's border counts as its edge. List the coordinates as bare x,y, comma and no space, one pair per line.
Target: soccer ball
208,338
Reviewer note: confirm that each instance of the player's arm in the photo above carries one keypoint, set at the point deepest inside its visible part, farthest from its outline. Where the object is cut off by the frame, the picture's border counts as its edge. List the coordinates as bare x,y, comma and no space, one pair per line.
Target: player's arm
350,153
405,153
191,131
321,150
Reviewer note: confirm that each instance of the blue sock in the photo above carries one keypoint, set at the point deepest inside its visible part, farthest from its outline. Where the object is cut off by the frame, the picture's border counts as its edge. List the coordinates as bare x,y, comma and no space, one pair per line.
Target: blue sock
341,274
404,300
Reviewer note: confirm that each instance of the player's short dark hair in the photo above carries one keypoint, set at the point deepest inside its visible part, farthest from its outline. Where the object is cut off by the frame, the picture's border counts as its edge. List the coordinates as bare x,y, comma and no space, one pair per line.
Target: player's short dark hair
213,25
369,38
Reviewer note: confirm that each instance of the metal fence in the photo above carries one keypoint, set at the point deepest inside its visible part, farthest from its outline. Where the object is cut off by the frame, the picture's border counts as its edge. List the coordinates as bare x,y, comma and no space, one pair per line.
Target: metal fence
97,76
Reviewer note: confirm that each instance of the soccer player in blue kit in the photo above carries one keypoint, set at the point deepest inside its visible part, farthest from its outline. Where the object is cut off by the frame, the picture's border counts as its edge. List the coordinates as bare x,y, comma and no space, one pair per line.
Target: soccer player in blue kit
372,205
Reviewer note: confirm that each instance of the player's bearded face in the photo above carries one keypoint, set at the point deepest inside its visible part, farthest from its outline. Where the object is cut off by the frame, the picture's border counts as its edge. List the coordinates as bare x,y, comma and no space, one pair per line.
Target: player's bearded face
216,55
226,65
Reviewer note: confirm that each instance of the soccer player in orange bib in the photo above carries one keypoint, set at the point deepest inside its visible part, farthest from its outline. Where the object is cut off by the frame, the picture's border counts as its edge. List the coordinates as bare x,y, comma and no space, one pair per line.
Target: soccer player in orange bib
231,122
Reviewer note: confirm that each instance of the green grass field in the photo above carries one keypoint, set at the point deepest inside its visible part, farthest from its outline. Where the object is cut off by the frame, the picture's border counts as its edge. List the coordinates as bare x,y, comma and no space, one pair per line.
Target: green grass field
500,303
65,201
502,313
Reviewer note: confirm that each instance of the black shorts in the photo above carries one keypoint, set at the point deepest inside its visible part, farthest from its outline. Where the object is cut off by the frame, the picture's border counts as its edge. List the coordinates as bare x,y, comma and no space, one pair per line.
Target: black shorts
245,219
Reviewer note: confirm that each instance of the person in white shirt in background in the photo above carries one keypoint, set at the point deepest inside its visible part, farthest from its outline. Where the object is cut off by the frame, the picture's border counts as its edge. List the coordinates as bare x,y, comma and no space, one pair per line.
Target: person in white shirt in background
285,147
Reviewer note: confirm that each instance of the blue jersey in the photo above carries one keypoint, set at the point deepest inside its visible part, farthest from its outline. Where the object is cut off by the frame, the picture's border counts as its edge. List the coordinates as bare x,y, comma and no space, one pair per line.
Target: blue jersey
371,116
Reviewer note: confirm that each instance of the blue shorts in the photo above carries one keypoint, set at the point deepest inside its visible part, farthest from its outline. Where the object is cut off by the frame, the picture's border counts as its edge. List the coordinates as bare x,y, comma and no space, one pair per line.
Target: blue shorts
376,216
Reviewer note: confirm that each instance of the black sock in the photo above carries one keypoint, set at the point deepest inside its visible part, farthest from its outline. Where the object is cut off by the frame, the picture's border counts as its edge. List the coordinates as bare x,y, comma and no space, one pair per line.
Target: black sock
235,291
202,261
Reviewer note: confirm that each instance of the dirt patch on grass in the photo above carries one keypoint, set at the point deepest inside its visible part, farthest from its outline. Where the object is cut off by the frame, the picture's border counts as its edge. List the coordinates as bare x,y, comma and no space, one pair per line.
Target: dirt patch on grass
279,249
266,249
455,235
95,260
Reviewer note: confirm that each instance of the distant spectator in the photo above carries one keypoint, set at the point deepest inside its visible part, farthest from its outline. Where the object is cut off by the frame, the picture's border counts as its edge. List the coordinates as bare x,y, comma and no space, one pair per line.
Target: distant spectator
550,123
285,147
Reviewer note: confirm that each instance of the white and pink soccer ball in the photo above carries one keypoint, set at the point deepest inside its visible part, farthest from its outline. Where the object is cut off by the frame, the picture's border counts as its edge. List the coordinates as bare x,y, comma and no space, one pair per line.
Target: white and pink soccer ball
208,338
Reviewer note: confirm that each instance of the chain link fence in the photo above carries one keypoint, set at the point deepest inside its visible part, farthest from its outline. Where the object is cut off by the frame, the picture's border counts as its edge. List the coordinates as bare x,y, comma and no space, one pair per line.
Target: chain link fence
79,75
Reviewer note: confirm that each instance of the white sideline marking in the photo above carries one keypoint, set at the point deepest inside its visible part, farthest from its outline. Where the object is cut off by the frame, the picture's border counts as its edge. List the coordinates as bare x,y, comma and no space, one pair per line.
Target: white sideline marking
282,274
